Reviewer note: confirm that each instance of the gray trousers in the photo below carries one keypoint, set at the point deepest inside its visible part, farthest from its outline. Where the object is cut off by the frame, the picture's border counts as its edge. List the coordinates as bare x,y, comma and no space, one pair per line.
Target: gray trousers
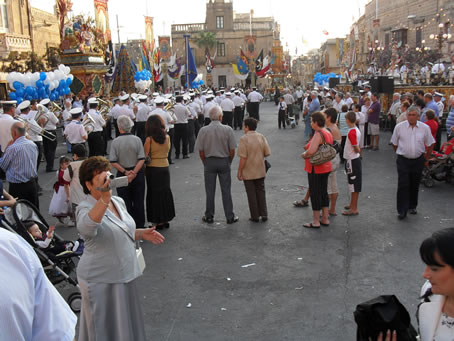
218,167
255,190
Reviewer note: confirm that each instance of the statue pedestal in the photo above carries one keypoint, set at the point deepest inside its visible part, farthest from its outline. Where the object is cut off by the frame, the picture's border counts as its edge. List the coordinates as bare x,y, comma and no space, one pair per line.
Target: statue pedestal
89,72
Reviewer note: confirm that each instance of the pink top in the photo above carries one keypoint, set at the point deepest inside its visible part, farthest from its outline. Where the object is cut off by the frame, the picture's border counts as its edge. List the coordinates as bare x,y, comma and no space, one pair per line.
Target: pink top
324,167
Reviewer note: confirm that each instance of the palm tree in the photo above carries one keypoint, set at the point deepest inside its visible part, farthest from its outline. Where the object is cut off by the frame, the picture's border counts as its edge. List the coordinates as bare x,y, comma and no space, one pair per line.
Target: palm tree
206,40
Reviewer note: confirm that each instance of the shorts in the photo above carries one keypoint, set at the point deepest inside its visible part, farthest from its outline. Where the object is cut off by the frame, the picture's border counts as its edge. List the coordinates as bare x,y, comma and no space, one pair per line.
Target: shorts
332,177
354,174
374,129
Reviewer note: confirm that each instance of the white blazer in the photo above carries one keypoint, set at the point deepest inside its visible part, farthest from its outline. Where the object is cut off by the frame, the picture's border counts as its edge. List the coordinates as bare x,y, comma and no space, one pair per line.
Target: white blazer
429,314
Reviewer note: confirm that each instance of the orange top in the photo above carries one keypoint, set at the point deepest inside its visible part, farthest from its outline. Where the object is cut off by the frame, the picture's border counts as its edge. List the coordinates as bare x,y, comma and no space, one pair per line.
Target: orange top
324,167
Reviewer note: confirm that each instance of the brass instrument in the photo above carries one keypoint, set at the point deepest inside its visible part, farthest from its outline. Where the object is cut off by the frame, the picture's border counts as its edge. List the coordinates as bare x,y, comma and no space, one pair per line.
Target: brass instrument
89,123
36,129
41,114
105,108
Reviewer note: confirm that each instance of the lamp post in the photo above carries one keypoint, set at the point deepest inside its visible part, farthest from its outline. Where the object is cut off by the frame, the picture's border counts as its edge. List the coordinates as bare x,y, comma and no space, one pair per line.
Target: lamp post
441,37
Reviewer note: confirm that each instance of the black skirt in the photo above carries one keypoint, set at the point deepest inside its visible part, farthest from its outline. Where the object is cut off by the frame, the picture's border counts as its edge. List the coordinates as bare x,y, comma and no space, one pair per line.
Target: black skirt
160,206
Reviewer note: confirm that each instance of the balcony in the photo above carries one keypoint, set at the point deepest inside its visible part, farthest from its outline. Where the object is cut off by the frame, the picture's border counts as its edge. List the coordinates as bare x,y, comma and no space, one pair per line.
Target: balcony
256,26
10,42
182,28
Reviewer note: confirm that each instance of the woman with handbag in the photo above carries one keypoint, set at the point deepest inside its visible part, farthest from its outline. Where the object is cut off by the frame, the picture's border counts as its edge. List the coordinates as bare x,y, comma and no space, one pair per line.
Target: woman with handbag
318,157
109,266
252,150
160,206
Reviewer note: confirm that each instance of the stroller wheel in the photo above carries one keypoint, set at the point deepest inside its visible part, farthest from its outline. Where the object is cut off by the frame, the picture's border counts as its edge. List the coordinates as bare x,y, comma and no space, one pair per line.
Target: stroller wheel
428,182
75,302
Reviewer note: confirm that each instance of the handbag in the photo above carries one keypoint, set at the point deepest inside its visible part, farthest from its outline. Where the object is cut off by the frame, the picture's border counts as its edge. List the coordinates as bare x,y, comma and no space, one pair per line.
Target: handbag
148,157
140,258
324,153
267,165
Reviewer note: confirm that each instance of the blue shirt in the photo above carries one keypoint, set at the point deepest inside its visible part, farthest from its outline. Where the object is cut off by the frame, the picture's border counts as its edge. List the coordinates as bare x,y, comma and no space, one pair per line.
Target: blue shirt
314,106
20,161
450,120
431,105
30,306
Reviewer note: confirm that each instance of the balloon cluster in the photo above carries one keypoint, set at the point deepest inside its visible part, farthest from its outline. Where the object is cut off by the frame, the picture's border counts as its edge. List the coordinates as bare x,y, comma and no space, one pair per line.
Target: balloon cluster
323,80
142,80
40,85
197,83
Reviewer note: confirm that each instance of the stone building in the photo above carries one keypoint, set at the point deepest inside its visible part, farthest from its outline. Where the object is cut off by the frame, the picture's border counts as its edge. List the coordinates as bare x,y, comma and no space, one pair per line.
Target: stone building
234,31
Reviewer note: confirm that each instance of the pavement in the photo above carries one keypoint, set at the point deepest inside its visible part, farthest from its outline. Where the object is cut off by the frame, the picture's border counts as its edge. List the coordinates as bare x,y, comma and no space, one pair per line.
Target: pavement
278,280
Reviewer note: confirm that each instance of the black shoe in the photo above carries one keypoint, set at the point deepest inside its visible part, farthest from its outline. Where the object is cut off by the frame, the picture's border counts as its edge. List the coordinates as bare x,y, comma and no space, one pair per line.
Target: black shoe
177,157
254,220
208,220
264,219
412,211
185,156
233,220
402,216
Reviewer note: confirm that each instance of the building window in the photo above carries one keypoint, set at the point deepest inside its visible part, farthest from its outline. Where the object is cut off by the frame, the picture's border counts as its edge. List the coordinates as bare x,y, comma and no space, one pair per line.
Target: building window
222,81
3,17
221,50
400,36
219,23
418,36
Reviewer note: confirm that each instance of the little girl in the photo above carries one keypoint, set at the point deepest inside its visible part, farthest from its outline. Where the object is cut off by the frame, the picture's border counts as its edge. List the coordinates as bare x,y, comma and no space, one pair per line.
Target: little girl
60,206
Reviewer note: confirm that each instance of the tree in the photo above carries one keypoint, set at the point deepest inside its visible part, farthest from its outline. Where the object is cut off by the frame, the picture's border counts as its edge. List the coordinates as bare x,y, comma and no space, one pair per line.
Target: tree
206,40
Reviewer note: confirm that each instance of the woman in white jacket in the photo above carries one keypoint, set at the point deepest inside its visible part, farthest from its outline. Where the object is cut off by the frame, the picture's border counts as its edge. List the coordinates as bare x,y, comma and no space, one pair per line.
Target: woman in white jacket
436,312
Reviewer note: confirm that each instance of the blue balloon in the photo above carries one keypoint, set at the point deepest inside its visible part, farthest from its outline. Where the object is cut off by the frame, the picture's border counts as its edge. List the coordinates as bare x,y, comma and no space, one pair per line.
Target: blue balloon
62,84
28,97
17,85
19,100
42,76
67,91
20,92
52,97
12,96
39,84
42,93
29,91
68,81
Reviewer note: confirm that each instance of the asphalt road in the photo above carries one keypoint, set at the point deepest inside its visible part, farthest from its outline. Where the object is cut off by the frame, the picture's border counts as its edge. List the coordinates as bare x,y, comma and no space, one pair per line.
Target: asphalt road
303,284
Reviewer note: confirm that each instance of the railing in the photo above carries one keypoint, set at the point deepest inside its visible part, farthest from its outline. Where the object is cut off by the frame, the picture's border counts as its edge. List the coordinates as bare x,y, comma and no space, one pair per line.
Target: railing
188,27
256,26
14,42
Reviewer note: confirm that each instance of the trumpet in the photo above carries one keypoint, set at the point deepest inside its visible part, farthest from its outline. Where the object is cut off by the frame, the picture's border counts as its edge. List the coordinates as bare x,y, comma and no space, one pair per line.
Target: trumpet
35,128
89,123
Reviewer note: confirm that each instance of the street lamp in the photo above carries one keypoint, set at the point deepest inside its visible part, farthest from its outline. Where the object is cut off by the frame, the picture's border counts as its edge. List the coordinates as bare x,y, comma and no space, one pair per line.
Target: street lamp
441,37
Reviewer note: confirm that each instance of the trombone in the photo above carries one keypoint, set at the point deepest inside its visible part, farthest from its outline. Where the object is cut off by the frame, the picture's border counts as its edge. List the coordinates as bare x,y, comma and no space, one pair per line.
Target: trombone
35,128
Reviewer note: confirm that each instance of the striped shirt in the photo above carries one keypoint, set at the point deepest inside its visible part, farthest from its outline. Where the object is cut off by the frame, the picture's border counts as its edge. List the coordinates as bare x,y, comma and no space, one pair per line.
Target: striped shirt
19,161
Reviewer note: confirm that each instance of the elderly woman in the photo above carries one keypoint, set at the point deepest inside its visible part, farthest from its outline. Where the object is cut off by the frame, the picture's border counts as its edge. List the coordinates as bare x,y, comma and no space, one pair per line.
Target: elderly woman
450,118
108,269
318,174
160,206
436,313
127,157
252,150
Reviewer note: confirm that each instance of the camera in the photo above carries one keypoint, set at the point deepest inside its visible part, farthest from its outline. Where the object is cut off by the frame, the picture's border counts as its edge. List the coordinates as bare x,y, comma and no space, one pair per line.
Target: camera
121,181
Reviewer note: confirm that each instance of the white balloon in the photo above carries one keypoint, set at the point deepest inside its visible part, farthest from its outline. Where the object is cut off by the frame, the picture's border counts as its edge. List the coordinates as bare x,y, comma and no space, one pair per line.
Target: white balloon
71,76
61,67
67,70
35,77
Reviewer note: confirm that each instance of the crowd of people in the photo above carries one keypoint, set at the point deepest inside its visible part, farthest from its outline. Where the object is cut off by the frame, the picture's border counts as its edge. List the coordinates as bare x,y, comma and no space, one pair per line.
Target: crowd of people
153,129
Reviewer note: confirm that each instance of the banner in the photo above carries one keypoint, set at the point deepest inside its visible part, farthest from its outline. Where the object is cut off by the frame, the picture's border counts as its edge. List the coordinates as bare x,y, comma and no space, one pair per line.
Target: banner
164,47
102,19
149,34
250,46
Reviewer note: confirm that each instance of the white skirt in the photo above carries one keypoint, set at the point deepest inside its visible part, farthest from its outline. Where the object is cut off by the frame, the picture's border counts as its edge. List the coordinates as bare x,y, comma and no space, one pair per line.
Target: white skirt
58,206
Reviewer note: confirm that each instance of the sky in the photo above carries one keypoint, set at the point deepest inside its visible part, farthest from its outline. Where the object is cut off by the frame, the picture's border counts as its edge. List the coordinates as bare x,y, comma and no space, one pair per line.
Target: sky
302,22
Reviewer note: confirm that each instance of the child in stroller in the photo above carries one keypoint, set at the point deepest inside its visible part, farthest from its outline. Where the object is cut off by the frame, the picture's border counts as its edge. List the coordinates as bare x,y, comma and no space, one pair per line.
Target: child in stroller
51,245
440,166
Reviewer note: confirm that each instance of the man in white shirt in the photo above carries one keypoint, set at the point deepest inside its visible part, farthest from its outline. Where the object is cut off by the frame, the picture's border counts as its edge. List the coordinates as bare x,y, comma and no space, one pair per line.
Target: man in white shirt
33,128
122,110
95,138
438,68
338,102
50,146
348,100
200,117
196,111
413,143
75,132
182,114
143,111
238,101
6,122
289,100
206,109
227,107
254,99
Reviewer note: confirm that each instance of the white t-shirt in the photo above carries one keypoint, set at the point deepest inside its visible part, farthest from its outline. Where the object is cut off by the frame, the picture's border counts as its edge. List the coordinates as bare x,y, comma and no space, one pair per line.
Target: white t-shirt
74,132
227,105
353,138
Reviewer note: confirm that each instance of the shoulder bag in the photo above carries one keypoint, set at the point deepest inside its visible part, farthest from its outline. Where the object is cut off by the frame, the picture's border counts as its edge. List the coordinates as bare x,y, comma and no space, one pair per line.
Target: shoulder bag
324,153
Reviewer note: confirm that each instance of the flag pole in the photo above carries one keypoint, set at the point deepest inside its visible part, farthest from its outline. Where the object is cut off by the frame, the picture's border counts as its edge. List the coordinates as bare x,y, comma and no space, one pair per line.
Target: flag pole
186,45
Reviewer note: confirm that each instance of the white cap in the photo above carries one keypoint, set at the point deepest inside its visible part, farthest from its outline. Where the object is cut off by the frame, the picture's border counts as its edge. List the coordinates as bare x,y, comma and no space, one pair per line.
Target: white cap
142,97
186,97
134,95
168,96
435,94
93,100
159,100
124,97
155,94
45,101
23,105
75,111
228,93
210,92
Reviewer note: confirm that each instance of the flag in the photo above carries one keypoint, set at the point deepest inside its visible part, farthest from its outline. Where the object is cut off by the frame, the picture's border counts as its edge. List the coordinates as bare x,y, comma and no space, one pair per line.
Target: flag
240,69
259,62
244,57
265,68
238,74
209,62
191,69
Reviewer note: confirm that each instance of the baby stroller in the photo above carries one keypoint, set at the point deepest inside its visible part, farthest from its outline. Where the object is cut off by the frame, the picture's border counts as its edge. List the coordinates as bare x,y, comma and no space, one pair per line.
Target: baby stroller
440,166
60,268
291,120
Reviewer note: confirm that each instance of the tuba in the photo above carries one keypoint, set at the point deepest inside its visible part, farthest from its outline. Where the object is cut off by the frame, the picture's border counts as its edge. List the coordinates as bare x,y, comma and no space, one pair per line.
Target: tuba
89,123
41,115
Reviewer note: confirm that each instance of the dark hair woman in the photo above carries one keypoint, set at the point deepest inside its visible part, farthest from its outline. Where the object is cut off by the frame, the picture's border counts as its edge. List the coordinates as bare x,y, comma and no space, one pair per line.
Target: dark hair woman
318,174
436,313
160,206
108,268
